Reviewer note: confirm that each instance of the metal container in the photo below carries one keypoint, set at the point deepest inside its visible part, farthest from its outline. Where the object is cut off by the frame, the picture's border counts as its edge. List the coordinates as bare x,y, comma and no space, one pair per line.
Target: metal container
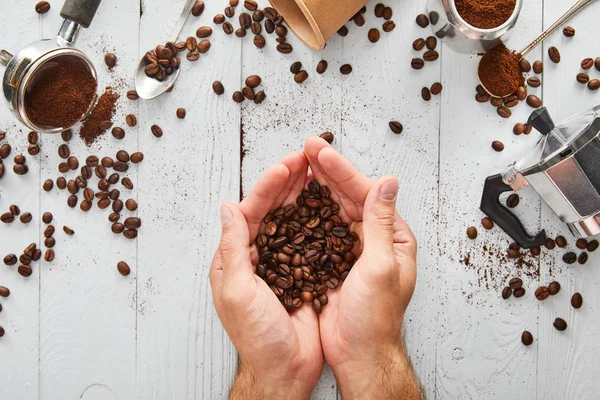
563,168
462,37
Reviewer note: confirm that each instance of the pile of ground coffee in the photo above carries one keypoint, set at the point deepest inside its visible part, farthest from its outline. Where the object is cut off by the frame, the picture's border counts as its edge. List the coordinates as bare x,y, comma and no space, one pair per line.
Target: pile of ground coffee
60,93
100,119
499,71
485,14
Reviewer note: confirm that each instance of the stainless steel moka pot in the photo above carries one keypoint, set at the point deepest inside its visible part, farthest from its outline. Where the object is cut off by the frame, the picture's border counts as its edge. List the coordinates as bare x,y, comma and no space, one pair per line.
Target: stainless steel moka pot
21,67
563,168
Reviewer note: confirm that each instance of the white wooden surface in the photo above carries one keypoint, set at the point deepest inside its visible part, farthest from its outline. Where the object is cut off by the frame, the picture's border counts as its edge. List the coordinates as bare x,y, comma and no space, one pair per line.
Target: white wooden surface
77,329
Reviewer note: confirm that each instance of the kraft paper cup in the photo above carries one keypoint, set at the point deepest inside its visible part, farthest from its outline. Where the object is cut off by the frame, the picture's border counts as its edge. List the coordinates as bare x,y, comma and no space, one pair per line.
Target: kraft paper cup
316,21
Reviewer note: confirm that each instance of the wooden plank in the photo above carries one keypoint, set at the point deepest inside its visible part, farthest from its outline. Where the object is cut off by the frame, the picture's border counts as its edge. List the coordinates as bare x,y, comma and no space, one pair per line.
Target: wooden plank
87,309
383,87
183,351
567,360
479,353
290,114
20,311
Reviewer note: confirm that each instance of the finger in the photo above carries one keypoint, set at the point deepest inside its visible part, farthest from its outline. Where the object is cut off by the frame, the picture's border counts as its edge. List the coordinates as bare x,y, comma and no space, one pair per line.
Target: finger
262,197
235,246
378,218
216,278
344,175
312,148
297,164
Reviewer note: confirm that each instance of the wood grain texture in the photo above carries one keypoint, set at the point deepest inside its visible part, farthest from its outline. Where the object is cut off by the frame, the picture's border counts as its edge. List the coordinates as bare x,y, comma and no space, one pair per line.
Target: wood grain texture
77,329
20,311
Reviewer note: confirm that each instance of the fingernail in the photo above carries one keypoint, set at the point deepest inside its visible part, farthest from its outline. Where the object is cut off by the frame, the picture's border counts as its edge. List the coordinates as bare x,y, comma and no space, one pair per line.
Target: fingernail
389,190
226,216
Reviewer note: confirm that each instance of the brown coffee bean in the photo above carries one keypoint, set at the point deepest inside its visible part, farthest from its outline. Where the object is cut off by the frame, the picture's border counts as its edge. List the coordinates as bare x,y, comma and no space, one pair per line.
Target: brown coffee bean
156,131
131,205
253,81
123,268
110,59
130,234
388,26
569,31
204,32
191,43
519,292
284,48
66,135
132,95
281,31
240,32
506,292
218,88
582,259
527,338
436,88
483,98
496,101
4,291
137,157
301,76
519,128
534,101
250,5
49,255
425,94
117,228
72,201
227,28
126,182
42,7
524,65
7,218
131,120
10,259
133,223
387,13
258,16
592,246
542,293
554,288
422,20
504,112
20,169
259,41
419,44
396,127
538,67
26,218
14,209
528,129
576,301
513,200
5,150
521,93
594,84
417,63
487,223
497,145
554,54
49,231
582,77
374,35
25,271
534,82
47,218
379,10
472,232
198,8
560,324
259,97
587,63
430,55
561,242
32,137
570,258
343,31
431,42
295,67
581,244
49,242
33,149
515,283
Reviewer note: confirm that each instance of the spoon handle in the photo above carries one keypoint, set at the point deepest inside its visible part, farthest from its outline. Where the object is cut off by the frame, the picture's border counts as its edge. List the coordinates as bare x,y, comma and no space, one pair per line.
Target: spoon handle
578,6
184,16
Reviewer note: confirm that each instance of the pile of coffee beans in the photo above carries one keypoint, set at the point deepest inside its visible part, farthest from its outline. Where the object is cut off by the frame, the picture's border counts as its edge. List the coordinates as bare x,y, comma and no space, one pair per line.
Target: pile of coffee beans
305,249
163,60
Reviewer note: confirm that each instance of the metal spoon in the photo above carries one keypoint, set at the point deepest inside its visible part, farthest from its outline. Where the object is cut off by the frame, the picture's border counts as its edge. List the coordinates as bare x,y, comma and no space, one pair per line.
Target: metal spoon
578,6
149,88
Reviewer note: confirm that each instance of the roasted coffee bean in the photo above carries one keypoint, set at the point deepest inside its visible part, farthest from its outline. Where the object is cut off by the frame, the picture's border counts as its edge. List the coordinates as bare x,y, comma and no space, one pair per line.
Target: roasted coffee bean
281,31
422,20
204,32
550,244
229,11
133,223
576,302
49,242
560,324
472,232
513,200
47,218
198,8
253,81
528,129
4,291
417,63
42,7
483,97
597,63
33,149
131,120
250,5
379,10
388,26
259,41
542,293
569,31
496,101
581,244
130,233
295,67
519,292
32,137
218,88
19,159
137,157
68,230
72,163
26,218
594,84
240,32
538,67
258,16
387,13
203,46
534,82
582,77
117,228
110,59
219,19
343,31
123,268
419,44
515,283
504,112
10,259
374,35
430,55
238,96
535,251
396,127
426,94
270,13
72,201
554,54
259,97
506,292
592,246
534,101
126,182
521,93
284,48
132,95
193,55
524,65
561,242
7,218
436,88
25,270
519,128
92,161
554,288
570,258
526,338
487,223
5,150
15,210
327,136
227,28
191,43
49,231
497,145
156,131
20,169
131,205
301,76
587,63
582,259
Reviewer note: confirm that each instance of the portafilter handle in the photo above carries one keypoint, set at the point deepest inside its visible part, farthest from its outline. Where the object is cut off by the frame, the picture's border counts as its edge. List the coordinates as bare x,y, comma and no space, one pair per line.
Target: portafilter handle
503,217
77,14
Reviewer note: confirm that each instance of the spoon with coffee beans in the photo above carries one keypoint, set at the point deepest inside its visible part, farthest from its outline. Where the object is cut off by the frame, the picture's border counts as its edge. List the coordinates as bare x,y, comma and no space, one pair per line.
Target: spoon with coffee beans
159,68
499,72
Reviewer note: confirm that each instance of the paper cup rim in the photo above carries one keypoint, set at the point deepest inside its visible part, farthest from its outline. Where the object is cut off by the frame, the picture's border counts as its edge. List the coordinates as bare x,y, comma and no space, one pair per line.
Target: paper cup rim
320,40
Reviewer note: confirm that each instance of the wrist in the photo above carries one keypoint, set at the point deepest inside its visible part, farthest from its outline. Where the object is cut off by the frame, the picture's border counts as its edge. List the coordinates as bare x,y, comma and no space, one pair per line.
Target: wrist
252,383
385,374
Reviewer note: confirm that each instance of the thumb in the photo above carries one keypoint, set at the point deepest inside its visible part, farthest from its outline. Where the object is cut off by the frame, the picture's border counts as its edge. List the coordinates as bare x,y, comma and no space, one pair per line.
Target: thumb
378,217
235,245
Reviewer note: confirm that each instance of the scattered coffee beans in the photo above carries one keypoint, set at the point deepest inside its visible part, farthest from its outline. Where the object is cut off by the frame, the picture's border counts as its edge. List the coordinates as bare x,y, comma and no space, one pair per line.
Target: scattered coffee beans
542,293
42,7
506,292
569,31
554,54
396,127
560,324
576,301
512,201
123,268
526,338
472,232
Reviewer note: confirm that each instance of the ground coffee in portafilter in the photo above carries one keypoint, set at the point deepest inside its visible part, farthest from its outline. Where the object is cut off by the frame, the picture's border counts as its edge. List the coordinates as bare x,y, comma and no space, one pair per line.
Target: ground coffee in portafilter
485,14
305,249
60,93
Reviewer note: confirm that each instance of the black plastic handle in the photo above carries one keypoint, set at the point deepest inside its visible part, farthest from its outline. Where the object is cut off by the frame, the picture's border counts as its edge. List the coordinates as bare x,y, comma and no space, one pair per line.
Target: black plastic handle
503,217
80,11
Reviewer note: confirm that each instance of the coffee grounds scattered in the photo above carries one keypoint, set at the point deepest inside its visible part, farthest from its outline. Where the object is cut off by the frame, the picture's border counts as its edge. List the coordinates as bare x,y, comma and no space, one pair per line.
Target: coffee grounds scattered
499,71
485,14
60,93
101,117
